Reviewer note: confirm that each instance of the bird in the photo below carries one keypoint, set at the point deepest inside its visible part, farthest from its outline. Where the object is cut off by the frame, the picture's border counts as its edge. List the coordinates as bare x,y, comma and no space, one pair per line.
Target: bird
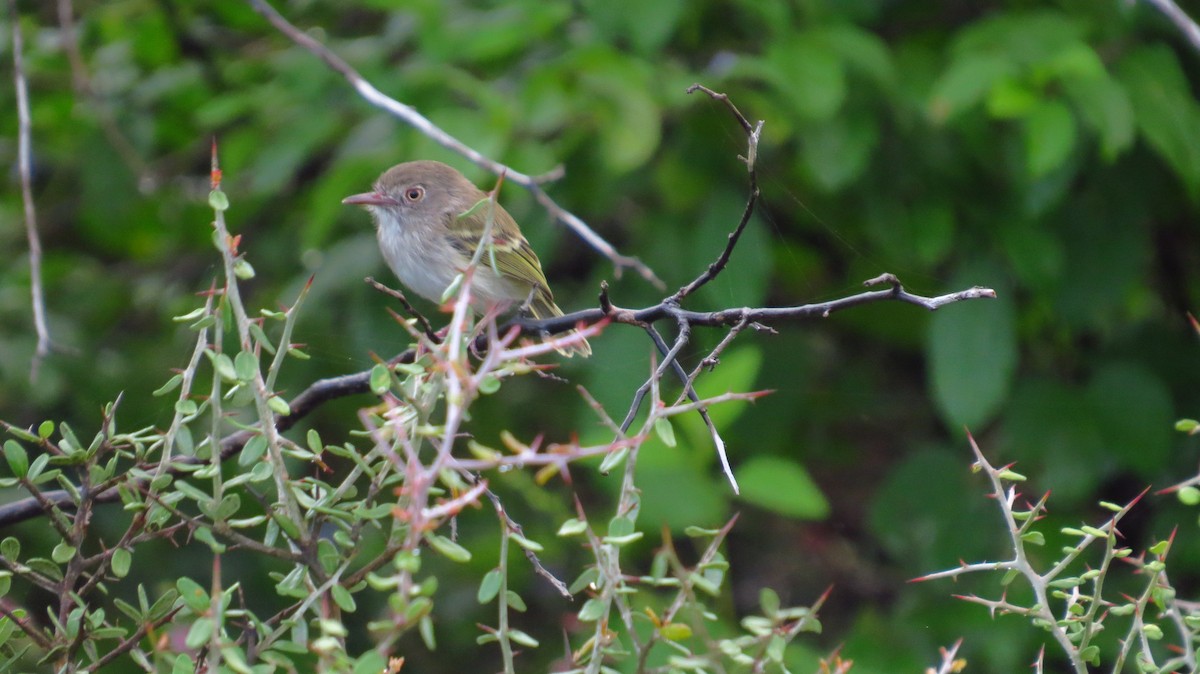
429,220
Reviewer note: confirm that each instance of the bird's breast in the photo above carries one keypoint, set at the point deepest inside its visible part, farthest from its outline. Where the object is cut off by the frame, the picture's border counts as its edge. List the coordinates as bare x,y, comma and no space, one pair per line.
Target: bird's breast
428,265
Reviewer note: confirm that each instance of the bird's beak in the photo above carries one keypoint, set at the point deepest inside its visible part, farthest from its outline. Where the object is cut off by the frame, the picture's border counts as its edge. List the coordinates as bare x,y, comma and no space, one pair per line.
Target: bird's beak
370,199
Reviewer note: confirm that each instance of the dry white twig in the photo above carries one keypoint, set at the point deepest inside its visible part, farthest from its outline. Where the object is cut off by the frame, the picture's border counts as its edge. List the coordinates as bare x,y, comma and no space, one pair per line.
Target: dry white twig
24,143
1182,21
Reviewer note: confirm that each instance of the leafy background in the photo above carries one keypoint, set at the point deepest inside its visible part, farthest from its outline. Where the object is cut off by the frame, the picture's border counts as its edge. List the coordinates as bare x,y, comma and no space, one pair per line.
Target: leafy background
1049,150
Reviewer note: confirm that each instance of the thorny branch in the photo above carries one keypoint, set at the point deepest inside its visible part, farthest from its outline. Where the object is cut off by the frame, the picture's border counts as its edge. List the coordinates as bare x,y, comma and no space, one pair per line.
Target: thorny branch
669,309
410,116
325,390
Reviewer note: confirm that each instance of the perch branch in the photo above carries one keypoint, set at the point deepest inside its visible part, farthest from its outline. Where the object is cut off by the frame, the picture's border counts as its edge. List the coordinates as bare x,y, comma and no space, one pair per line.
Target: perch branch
333,388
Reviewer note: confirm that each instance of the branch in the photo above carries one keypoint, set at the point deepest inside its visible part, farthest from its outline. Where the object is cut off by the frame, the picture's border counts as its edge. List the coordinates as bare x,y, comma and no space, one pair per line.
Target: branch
410,116
1182,21
23,162
324,390
753,133
730,317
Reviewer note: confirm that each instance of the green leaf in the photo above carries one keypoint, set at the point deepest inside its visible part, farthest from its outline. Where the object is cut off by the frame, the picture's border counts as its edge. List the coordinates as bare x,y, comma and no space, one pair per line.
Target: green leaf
10,547
371,662
172,384
245,366
1167,113
199,633
646,24
837,151
1189,496
624,540
769,601
279,406
243,270
121,561
923,506
572,527
252,451
228,507
1133,411
381,379
532,546
781,486
966,82
205,535
18,460
665,431
343,598
634,131
62,553
515,602
676,631
587,579
194,596
1049,137
612,460
1012,98
1034,537
1104,105
184,665
620,526
489,384
591,611
489,587
449,548
972,355
218,201
808,73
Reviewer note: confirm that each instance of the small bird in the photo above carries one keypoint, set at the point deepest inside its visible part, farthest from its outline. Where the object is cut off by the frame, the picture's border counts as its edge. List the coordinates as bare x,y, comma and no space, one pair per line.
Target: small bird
429,228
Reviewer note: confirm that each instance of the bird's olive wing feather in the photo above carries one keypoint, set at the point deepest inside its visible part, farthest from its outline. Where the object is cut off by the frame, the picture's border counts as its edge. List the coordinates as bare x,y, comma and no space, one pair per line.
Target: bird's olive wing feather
510,254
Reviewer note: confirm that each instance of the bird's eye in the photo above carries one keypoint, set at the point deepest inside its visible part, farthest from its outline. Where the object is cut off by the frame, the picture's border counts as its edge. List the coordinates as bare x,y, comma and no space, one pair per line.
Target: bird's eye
414,194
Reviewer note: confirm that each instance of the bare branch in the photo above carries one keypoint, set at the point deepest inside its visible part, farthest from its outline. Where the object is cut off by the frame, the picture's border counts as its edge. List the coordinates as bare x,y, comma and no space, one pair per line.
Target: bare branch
753,133
24,150
1186,24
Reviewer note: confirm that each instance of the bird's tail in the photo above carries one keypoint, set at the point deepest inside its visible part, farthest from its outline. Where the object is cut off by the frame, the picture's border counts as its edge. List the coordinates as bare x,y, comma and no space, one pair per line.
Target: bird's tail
542,306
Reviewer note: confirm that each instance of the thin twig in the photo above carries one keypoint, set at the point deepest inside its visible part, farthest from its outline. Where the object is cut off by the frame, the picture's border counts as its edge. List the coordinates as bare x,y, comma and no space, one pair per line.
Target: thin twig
753,133
1182,21
410,116
515,527
24,142
426,327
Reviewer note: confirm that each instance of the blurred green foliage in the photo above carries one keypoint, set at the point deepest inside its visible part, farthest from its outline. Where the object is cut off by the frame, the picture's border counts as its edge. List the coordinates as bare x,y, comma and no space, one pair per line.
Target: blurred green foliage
1050,151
